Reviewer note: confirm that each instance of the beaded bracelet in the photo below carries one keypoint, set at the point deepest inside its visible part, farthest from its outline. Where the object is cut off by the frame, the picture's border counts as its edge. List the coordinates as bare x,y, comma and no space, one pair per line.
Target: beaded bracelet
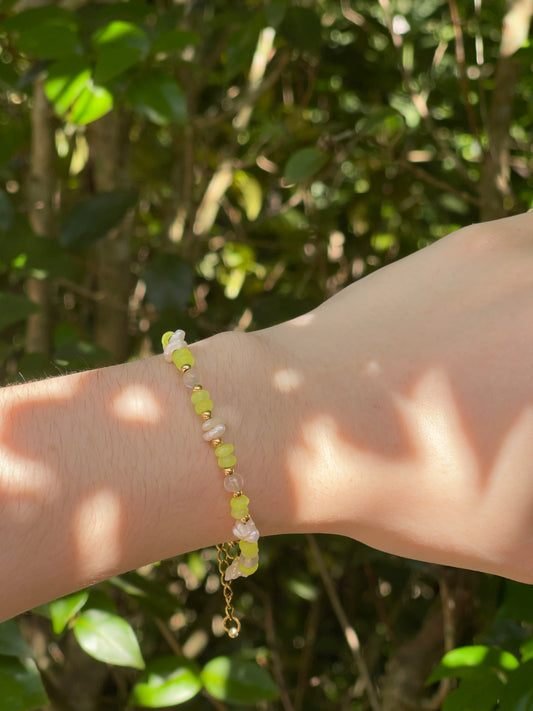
237,558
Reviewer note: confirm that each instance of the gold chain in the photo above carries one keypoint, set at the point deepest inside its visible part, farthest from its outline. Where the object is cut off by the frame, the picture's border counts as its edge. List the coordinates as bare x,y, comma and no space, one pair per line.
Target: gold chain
225,557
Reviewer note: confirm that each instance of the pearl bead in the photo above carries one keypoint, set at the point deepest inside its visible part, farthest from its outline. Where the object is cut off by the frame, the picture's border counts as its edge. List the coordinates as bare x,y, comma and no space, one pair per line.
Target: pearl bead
178,335
247,531
212,421
214,433
233,483
232,571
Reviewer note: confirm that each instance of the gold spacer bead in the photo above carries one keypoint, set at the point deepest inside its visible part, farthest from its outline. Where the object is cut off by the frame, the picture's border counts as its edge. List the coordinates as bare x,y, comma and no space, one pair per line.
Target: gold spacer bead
237,493
215,442
197,387
245,519
228,471
185,368
206,415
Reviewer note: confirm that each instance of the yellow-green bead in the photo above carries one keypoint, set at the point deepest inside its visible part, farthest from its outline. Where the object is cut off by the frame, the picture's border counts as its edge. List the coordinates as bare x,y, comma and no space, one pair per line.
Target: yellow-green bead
165,338
238,502
223,450
237,514
247,571
199,395
227,461
203,406
239,506
249,550
182,357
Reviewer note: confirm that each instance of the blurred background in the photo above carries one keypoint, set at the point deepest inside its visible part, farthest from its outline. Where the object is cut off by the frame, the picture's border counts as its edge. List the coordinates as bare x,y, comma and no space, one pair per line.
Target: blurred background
227,165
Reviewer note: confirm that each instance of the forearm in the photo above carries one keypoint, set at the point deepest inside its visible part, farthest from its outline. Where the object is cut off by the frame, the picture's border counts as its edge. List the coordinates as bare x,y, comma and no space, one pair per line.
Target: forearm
106,470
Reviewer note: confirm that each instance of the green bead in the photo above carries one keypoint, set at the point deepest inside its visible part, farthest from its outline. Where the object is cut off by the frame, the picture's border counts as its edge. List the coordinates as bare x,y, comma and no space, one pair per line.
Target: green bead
249,550
203,406
227,461
240,513
199,395
238,502
247,571
165,338
223,450
182,357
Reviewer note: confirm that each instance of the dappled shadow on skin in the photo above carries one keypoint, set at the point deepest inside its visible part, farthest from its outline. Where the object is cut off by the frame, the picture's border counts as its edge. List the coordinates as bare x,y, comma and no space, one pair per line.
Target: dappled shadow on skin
399,413
104,471
52,444
415,394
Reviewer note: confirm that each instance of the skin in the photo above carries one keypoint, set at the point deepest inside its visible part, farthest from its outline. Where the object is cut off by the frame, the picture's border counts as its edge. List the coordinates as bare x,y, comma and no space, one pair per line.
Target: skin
398,413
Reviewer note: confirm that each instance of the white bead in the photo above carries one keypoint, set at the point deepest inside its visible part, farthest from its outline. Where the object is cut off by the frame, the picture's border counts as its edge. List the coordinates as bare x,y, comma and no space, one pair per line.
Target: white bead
191,378
234,482
232,571
212,421
246,531
248,562
214,433
178,335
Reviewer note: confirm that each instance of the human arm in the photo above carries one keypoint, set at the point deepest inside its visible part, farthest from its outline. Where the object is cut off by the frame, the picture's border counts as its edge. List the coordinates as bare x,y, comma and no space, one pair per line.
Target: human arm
397,413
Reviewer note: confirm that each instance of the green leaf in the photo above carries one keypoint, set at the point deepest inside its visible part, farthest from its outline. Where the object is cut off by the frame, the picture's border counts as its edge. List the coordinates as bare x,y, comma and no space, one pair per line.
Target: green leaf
517,694
303,587
250,193
159,98
303,164
20,685
12,643
526,650
242,45
109,638
169,281
462,660
47,32
301,27
92,103
92,219
15,307
119,45
65,82
476,694
239,682
167,682
65,608
175,41
151,594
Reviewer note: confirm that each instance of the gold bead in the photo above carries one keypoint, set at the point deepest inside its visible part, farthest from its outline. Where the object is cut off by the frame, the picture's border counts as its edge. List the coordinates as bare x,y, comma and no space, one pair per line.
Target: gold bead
215,442
197,387
228,471
245,519
185,368
237,493
206,415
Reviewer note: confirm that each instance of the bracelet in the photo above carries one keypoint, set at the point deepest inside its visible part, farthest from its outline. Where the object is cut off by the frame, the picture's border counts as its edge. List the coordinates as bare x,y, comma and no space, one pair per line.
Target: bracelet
237,558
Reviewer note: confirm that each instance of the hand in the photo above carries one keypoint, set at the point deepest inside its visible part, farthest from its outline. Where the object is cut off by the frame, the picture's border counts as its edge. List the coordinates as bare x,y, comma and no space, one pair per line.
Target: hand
407,404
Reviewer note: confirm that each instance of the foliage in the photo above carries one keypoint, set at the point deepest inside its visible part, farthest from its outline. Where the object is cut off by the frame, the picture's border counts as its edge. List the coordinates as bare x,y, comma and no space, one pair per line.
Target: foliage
233,164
